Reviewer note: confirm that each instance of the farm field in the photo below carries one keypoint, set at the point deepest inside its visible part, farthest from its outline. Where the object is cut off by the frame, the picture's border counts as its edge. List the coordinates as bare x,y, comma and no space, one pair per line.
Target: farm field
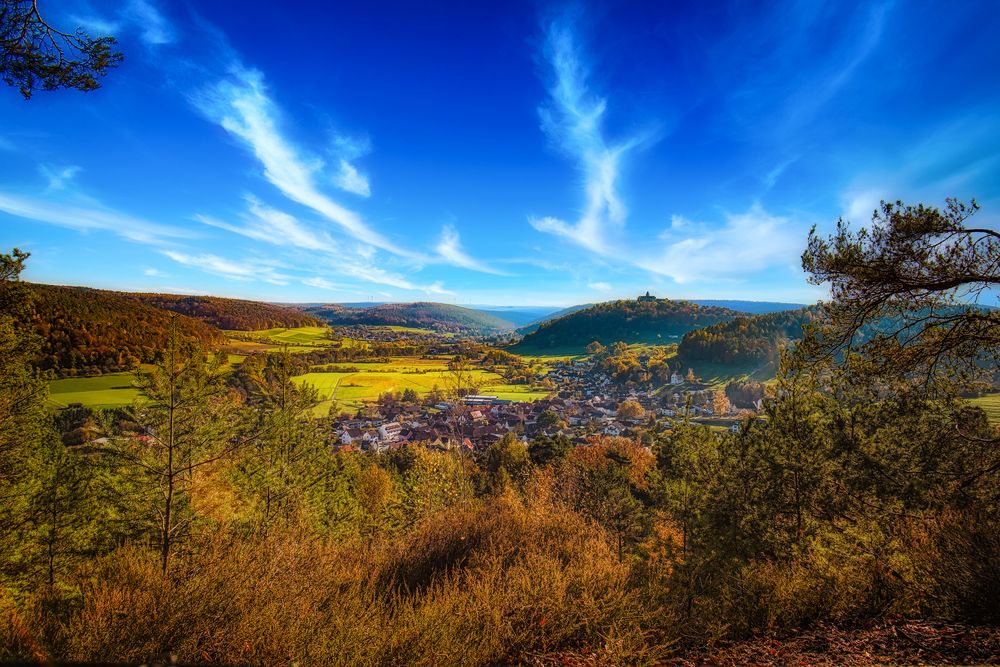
349,391
105,391
298,339
549,354
717,375
991,404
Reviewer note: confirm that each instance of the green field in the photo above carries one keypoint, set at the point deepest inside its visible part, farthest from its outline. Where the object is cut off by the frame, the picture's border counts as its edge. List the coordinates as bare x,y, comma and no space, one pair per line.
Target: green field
349,391
549,354
299,339
105,391
716,375
991,404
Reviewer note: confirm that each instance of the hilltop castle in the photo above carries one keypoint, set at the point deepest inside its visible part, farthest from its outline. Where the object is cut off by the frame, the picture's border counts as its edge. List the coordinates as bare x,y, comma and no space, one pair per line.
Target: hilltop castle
646,297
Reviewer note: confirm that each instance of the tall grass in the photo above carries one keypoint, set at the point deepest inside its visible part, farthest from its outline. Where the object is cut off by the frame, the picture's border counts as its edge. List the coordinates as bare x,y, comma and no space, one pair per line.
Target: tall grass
487,582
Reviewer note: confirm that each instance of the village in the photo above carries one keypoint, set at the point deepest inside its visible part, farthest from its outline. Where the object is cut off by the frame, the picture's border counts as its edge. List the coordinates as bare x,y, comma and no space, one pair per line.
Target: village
588,403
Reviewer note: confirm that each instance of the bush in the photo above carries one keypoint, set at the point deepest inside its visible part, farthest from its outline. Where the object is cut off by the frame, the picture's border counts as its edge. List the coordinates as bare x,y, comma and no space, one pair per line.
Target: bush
956,559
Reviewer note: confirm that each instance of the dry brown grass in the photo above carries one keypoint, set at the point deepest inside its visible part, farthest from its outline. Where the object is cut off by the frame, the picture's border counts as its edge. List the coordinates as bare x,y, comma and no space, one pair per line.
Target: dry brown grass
491,582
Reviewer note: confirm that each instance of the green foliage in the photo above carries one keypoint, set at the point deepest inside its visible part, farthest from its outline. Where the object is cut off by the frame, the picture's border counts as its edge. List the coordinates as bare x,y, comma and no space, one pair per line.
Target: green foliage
545,449
36,56
904,296
654,322
504,463
188,421
746,339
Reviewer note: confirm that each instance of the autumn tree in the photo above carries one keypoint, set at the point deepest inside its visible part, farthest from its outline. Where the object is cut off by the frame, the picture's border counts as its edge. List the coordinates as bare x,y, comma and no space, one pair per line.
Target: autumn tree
504,462
375,491
35,55
720,402
630,410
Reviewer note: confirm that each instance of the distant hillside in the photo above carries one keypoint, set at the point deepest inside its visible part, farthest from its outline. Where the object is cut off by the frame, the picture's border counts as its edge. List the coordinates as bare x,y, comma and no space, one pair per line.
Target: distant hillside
517,315
661,321
85,331
746,339
534,324
229,313
440,317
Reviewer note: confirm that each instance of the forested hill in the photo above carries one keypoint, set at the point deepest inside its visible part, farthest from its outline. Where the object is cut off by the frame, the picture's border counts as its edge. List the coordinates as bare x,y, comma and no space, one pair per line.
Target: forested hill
740,306
746,339
440,317
229,313
83,331
661,321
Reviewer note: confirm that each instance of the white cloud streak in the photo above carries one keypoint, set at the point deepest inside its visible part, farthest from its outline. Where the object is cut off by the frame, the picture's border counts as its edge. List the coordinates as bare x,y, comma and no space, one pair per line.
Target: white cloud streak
573,121
450,249
236,270
89,218
279,228
59,178
349,179
156,30
241,105
747,242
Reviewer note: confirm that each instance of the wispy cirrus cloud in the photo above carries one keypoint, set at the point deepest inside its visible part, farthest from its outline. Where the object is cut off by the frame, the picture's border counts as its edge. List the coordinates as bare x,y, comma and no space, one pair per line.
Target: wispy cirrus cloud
450,249
573,121
59,178
90,216
349,179
155,29
273,226
142,15
279,228
241,105
346,150
246,270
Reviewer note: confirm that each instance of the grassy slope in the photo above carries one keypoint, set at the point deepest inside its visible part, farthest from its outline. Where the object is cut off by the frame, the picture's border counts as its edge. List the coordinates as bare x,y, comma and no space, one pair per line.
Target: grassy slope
104,391
991,404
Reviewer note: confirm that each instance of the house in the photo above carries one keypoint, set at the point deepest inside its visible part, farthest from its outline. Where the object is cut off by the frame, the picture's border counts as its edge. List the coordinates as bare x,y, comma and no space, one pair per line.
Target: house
614,429
676,378
389,432
351,435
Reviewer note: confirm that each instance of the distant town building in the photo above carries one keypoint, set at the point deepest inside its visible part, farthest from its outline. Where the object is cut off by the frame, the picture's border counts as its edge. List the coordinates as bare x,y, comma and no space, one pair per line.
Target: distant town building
646,297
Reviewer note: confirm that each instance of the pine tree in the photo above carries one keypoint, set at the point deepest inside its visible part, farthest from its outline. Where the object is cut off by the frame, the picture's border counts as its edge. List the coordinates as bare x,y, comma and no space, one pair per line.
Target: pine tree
187,419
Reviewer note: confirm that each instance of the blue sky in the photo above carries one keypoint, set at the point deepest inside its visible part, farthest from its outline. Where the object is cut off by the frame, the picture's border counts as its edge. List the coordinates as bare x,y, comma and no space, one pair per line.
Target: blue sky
493,153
